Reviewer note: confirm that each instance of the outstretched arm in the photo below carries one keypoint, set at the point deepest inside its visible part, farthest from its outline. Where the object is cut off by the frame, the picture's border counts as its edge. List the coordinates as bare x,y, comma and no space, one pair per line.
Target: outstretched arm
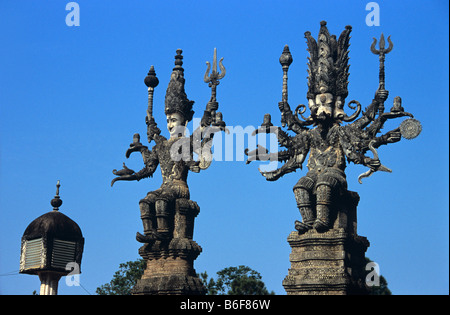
389,137
288,117
371,110
201,140
378,124
290,166
298,148
151,163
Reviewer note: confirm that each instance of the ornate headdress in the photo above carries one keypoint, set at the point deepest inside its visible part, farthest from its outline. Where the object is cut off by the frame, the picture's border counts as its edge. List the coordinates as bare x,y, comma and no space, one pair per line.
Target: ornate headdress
176,99
328,62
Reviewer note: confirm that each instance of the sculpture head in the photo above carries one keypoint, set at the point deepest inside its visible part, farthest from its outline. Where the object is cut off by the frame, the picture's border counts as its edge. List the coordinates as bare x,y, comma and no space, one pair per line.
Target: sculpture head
176,124
178,108
328,75
322,107
176,99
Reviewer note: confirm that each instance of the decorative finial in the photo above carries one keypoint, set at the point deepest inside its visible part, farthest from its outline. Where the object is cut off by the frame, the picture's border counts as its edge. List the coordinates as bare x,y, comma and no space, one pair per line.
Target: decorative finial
151,80
56,202
179,61
285,61
286,57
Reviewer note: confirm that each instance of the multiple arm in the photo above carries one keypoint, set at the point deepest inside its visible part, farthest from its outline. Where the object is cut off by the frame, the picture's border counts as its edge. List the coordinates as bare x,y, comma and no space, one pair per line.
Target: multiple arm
361,135
199,142
151,163
297,149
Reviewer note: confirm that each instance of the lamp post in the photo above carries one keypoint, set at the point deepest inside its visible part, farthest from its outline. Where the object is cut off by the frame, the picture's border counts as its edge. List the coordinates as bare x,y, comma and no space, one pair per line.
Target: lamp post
50,244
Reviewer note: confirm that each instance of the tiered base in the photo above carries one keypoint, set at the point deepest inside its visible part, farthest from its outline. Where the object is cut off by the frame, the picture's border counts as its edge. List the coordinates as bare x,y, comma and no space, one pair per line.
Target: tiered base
170,263
330,263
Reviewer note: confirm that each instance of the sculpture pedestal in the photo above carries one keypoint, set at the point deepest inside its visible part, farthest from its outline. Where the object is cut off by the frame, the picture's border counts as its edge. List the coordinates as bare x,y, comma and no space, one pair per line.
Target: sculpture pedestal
329,263
170,263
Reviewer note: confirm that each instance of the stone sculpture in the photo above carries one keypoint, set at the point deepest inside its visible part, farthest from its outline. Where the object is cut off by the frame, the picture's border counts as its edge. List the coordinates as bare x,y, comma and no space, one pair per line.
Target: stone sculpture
329,143
168,213
328,256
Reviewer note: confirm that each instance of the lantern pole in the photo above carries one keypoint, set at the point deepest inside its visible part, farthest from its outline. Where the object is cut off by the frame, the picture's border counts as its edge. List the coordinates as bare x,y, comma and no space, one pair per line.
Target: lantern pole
49,283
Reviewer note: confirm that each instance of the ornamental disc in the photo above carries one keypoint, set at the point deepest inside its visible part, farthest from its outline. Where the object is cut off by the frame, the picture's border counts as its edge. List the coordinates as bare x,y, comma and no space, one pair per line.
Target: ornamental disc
410,128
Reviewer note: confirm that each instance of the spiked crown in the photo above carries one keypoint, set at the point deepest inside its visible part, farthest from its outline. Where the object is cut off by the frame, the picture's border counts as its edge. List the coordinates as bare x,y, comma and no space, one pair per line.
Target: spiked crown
176,99
328,62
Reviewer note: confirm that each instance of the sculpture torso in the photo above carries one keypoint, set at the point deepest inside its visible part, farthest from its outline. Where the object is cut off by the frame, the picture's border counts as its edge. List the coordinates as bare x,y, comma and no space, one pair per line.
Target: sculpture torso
325,149
172,171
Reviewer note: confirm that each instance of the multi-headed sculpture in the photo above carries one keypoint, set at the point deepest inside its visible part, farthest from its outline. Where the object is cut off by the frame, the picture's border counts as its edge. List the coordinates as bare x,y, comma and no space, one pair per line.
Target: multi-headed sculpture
329,143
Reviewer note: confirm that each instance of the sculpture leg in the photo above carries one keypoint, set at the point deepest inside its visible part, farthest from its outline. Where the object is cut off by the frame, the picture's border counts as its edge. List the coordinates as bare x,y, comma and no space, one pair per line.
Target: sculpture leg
302,192
162,218
302,197
148,222
323,196
148,217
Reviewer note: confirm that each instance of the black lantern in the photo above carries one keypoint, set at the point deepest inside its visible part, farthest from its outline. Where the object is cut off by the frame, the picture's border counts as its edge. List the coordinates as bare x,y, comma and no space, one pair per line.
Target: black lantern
52,247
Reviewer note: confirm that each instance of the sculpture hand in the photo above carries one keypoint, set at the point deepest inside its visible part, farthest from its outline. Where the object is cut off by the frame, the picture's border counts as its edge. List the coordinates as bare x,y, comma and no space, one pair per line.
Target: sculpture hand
206,119
381,95
284,107
153,130
374,163
124,171
212,106
271,176
135,148
393,136
195,168
125,177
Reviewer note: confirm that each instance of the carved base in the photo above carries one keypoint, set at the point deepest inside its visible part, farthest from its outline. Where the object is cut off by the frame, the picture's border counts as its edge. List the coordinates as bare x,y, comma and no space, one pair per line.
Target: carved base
170,263
329,263
169,285
169,276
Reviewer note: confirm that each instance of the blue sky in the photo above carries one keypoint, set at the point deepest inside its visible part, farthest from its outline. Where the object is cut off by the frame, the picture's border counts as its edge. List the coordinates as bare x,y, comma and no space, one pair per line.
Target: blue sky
71,99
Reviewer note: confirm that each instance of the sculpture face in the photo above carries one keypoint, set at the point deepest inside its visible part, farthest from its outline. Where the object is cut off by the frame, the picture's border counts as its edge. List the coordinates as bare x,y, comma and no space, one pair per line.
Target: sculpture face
339,113
176,124
322,107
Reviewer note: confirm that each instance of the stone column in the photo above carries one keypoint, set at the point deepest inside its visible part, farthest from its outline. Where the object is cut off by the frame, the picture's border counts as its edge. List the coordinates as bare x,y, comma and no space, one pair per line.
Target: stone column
329,263
170,263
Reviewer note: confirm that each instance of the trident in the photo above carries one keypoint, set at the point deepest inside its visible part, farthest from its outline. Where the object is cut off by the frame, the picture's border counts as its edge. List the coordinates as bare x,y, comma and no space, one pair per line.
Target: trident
213,80
381,53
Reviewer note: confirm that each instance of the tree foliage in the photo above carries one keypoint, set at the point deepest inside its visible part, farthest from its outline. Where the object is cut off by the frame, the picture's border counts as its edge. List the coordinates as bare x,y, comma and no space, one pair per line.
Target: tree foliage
381,289
241,280
124,279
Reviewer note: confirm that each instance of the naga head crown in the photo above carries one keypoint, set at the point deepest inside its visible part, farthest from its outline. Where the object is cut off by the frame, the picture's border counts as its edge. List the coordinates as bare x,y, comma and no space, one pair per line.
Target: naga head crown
176,99
328,70
328,62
